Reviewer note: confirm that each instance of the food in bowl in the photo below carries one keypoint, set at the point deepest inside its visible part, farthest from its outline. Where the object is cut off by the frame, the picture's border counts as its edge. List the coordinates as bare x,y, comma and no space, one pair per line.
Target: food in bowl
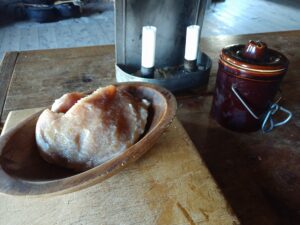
82,131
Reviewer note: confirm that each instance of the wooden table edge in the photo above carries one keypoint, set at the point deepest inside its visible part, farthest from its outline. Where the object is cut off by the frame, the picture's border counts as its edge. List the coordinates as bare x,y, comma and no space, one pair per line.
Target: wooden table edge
6,71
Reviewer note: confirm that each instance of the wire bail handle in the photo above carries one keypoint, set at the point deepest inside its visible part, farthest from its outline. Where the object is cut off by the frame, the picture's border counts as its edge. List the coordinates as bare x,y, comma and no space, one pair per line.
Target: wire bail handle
268,122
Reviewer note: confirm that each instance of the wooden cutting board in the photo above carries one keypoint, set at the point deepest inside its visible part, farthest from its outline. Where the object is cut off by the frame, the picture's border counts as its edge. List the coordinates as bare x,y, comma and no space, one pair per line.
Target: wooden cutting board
168,185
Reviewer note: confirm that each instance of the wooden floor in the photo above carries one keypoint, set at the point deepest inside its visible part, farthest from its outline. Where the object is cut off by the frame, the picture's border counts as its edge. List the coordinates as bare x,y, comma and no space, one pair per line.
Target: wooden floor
97,27
245,17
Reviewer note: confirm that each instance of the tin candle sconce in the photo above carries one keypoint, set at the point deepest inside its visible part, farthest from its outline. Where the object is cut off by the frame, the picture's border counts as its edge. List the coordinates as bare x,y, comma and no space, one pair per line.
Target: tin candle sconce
171,19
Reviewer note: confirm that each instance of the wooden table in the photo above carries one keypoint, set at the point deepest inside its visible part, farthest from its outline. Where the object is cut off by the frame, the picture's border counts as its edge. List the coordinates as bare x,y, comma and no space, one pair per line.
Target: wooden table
259,174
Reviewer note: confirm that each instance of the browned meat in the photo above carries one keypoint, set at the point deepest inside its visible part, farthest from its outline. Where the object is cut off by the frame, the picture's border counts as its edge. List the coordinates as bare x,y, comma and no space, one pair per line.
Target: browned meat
83,132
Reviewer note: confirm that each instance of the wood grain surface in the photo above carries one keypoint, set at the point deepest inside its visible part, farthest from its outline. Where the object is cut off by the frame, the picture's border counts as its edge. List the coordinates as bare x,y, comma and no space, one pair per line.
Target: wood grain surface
168,185
259,174
6,70
39,77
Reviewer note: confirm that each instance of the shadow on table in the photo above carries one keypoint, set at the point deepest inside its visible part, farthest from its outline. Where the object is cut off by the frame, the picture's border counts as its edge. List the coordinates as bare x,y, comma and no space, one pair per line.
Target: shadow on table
250,173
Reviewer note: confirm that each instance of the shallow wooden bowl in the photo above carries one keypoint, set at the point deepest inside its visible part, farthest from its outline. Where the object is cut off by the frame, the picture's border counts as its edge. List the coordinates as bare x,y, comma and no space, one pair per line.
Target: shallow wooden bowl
24,172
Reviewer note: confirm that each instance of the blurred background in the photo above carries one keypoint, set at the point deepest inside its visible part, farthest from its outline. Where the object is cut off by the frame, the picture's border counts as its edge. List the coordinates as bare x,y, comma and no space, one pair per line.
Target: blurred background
46,24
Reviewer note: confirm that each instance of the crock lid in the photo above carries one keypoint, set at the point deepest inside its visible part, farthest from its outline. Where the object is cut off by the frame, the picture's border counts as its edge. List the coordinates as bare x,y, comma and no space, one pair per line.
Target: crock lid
255,57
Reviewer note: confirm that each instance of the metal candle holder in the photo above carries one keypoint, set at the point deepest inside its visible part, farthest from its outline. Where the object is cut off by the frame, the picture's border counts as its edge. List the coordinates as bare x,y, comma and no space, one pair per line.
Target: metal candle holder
171,18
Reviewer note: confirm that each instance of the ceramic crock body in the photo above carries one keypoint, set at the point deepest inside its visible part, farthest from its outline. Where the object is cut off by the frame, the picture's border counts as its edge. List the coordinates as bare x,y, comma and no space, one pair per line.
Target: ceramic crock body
257,84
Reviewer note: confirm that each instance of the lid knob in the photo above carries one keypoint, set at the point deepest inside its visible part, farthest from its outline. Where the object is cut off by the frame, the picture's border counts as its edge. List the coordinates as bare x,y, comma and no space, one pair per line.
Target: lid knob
255,50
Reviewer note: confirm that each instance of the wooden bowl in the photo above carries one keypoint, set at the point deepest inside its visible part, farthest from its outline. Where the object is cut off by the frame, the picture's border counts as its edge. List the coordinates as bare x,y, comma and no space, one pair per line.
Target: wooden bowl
24,172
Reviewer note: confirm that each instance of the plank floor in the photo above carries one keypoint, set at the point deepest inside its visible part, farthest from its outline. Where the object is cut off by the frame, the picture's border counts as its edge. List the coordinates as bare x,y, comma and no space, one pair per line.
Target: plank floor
244,17
96,26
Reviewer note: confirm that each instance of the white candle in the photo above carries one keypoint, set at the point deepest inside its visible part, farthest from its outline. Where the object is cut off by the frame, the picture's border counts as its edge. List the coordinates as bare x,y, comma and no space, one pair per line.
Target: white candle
148,46
191,42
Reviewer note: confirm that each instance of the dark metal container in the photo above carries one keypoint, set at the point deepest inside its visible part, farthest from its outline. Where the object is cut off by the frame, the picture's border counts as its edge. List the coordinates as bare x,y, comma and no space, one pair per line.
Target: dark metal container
248,80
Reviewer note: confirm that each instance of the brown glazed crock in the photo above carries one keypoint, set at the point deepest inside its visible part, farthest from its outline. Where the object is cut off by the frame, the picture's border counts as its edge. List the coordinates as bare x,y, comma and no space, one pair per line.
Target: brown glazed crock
252,72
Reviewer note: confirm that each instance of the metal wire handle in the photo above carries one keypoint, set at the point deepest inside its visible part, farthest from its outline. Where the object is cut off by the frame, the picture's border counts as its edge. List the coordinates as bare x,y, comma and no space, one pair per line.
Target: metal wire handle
268,118
274,108
243,102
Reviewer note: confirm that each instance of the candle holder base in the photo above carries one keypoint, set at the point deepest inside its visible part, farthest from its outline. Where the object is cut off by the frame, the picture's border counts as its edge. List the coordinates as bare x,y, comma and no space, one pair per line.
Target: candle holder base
147,72
190,65
172,78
